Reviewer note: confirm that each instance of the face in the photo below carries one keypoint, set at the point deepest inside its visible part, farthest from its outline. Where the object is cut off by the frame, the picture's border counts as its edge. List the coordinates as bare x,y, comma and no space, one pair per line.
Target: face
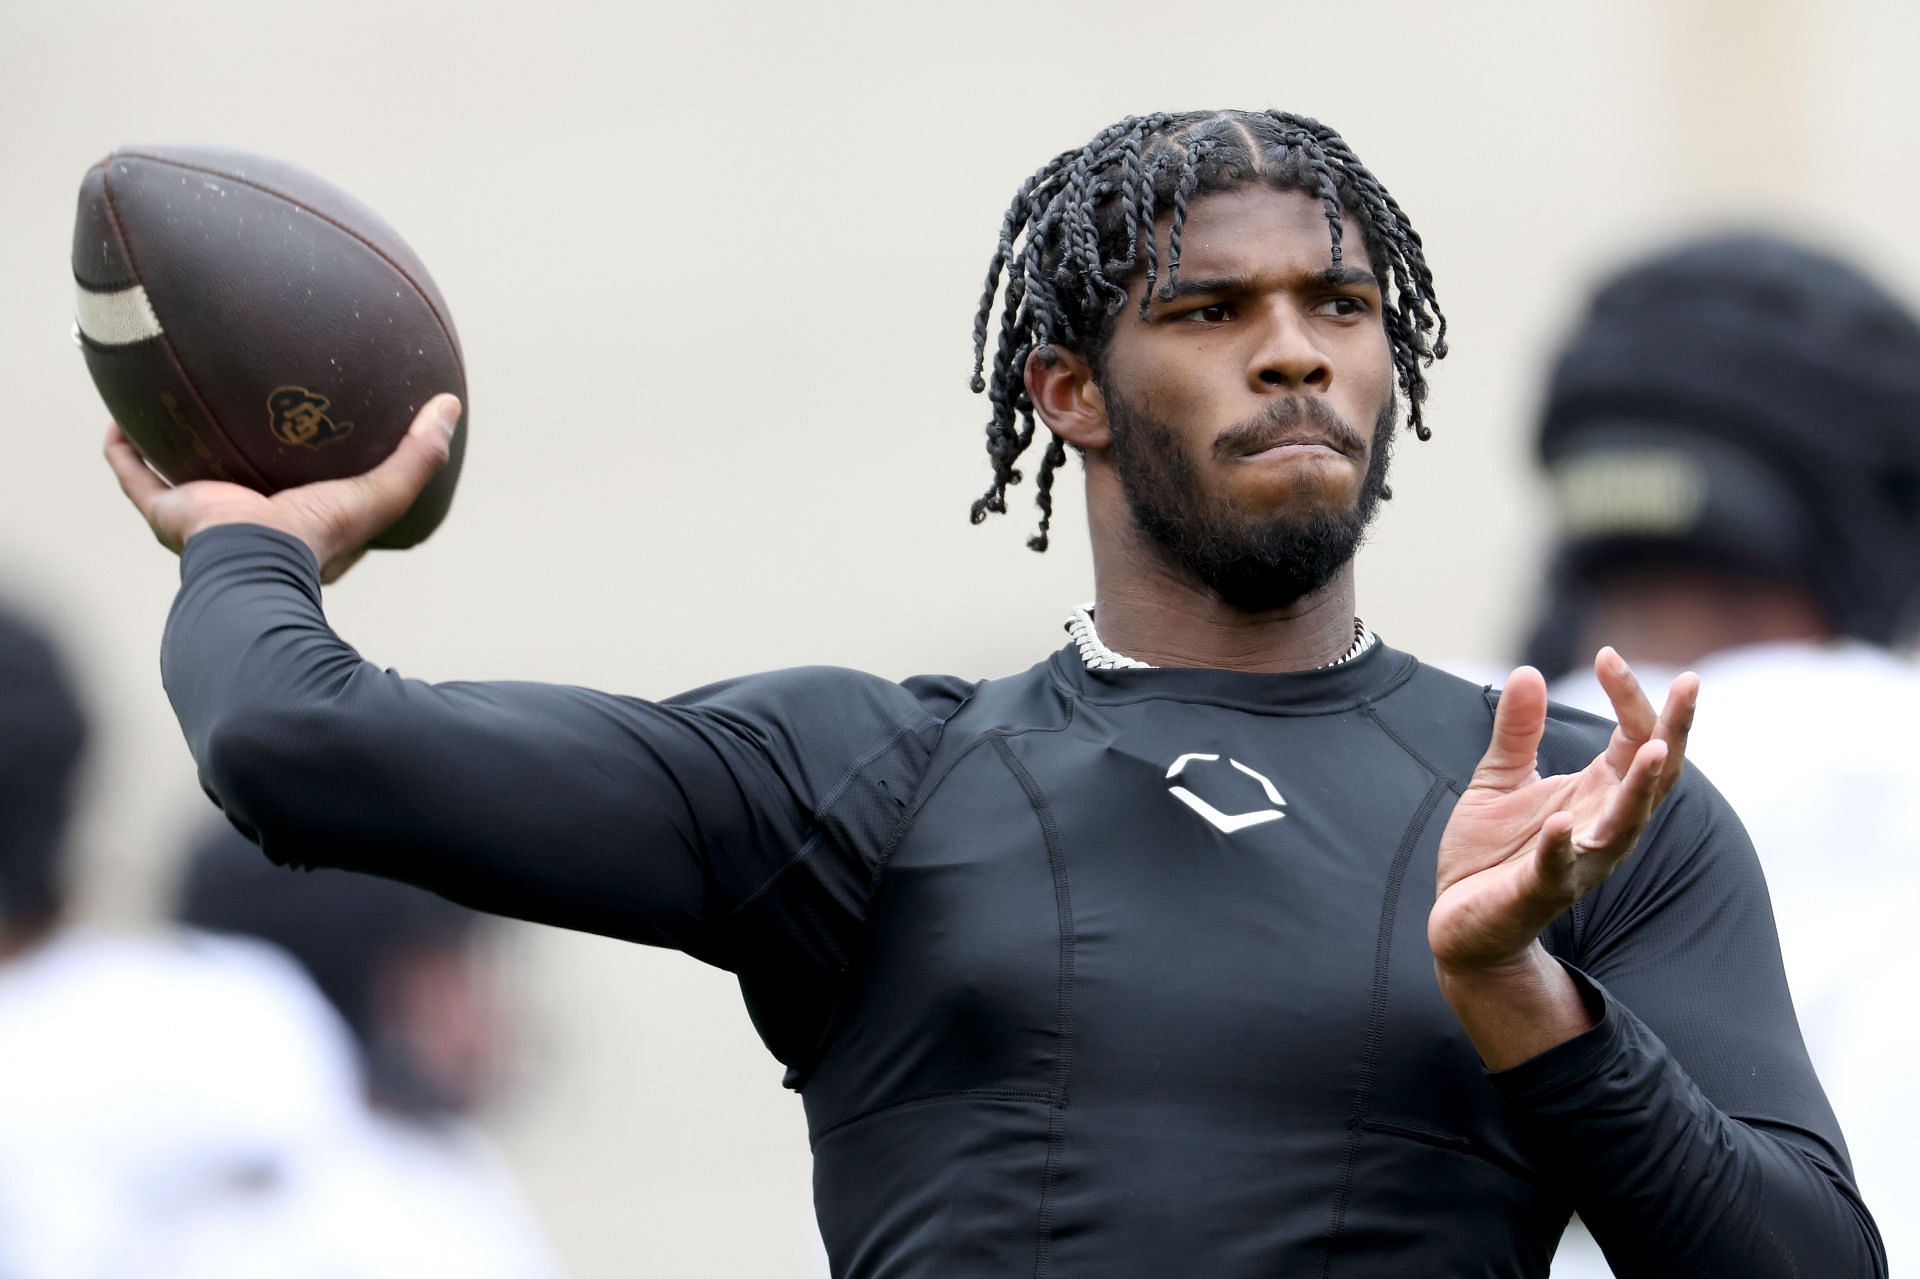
1250,416
441,1018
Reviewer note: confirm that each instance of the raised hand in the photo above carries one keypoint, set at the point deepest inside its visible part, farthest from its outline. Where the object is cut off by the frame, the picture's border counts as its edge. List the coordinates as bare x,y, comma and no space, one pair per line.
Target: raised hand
1521,848
335,518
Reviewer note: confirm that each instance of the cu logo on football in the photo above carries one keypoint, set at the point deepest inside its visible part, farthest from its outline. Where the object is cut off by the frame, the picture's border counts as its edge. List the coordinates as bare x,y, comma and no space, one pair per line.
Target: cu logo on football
1229,823
299,416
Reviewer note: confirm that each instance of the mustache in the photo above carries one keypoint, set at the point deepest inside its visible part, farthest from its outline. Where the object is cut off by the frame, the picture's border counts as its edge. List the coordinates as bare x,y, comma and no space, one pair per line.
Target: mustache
1296,419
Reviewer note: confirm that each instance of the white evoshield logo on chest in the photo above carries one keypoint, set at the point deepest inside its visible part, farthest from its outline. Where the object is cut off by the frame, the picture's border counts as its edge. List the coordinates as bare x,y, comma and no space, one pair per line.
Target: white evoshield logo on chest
1227,822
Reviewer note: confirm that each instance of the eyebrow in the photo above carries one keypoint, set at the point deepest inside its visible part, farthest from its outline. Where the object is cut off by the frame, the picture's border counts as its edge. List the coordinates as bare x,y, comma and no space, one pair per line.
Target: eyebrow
1340,275
1343,274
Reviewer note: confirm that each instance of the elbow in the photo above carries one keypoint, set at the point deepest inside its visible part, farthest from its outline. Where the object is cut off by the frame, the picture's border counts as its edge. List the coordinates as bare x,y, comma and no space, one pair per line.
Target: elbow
273,770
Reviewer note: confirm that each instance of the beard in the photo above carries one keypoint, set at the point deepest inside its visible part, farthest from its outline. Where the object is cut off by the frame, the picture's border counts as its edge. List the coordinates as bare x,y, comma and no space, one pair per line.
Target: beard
1252,563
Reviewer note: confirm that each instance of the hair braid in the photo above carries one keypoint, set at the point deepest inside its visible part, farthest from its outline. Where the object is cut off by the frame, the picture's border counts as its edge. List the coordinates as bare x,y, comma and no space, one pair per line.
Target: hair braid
1130,177
1328,188
1182,194
1009,227
1043,491
1144,231
1413,312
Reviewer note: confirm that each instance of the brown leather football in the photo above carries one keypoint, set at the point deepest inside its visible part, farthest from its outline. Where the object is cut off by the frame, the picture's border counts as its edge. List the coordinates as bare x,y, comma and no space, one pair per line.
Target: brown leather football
246,321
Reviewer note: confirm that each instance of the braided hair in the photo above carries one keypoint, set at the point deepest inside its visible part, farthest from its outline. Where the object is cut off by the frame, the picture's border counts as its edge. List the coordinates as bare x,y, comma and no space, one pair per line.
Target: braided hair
1084,226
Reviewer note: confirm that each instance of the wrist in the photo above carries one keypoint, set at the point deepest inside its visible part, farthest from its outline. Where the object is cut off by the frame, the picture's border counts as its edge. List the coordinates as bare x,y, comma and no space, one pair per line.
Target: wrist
1517,1008
256,515
1529,966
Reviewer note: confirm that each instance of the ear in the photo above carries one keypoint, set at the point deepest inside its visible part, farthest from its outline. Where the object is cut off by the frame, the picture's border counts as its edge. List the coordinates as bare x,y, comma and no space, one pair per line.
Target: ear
1067,398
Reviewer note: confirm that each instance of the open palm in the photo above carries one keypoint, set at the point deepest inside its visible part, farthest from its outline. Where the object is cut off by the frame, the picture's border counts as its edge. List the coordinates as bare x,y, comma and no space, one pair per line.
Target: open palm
1520,848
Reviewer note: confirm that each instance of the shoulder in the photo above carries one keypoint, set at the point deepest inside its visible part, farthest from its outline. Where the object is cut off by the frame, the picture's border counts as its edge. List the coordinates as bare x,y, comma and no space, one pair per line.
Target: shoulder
829,695
1694,870
847,746
826,715
1694,821
1573,734
1449,719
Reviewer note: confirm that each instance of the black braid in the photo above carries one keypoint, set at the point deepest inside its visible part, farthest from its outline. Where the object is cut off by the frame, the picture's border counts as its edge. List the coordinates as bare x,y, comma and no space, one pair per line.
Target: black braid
1043,491
1414,313
1327,186
1129,202
1083,225
1009,227
1182,192
1148,219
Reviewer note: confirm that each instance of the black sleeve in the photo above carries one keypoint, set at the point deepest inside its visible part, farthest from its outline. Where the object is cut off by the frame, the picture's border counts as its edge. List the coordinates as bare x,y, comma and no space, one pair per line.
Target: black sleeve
658,822
1687,1125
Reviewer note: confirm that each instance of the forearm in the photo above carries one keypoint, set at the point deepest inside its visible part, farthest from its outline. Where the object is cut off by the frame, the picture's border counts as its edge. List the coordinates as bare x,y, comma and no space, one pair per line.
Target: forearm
521,799
1670,1184
247,647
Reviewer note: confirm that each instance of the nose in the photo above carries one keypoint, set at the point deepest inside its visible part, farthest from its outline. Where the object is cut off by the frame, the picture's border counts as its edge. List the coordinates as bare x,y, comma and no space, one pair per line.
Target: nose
1286,358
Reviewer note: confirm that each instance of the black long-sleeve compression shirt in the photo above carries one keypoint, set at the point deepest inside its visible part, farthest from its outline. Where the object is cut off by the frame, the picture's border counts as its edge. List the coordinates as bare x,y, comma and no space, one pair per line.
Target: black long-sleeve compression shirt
1084,973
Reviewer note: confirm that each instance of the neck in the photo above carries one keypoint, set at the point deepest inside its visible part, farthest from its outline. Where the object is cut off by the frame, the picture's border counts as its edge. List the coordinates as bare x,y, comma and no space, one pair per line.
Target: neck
1149,611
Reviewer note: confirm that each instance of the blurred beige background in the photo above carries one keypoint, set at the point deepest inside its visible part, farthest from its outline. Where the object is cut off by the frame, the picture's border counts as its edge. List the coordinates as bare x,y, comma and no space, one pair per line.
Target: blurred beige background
714,268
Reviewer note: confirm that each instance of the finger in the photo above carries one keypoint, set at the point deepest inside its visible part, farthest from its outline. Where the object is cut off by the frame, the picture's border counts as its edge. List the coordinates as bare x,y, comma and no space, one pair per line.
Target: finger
1676,724
1518,721
1630,708
1555,855
1629,807
137,480
389,488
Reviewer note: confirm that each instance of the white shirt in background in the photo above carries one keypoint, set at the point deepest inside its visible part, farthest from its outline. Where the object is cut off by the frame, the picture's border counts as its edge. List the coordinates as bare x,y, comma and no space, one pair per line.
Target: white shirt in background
190,1107
1817,747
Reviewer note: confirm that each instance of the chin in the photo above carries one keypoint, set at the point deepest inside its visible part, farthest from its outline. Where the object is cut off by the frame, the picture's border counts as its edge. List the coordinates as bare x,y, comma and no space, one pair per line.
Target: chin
1298,502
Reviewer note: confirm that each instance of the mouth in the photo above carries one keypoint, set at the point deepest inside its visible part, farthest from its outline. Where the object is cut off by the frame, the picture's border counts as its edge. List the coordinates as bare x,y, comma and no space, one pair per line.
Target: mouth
1292,446
1291,430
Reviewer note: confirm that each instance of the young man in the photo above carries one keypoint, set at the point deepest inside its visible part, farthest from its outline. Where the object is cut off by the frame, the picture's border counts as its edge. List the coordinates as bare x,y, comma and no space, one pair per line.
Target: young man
1225,941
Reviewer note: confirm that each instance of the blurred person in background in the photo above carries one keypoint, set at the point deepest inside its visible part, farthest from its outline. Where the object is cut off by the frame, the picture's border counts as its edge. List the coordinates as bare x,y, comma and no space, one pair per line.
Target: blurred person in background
180,1105
409,974
1732,435
163,1099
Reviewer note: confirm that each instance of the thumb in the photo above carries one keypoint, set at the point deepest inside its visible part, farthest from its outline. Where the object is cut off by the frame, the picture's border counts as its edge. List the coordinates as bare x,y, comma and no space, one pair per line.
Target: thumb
389,488
1518,723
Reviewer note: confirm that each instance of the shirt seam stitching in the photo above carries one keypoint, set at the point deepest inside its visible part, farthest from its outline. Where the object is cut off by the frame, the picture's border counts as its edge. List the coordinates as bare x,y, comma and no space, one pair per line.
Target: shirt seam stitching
931,1098
1372,712
1448,1141
930,786
1376,1014
1063,1059
817,819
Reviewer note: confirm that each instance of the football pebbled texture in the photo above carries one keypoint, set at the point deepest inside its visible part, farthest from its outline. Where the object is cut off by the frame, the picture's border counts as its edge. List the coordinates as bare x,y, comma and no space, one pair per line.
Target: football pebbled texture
249,322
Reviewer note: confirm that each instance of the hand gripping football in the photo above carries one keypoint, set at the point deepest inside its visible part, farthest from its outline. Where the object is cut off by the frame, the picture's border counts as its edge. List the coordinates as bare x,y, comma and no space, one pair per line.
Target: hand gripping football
246,321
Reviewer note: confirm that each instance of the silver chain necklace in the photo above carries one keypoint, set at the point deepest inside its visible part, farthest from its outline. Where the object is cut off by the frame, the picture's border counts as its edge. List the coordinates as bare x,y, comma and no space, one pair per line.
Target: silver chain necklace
1099,657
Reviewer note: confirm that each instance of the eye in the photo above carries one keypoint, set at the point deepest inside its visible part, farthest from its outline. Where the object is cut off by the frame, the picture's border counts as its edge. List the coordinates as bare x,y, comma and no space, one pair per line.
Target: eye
1342,307
1217,313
